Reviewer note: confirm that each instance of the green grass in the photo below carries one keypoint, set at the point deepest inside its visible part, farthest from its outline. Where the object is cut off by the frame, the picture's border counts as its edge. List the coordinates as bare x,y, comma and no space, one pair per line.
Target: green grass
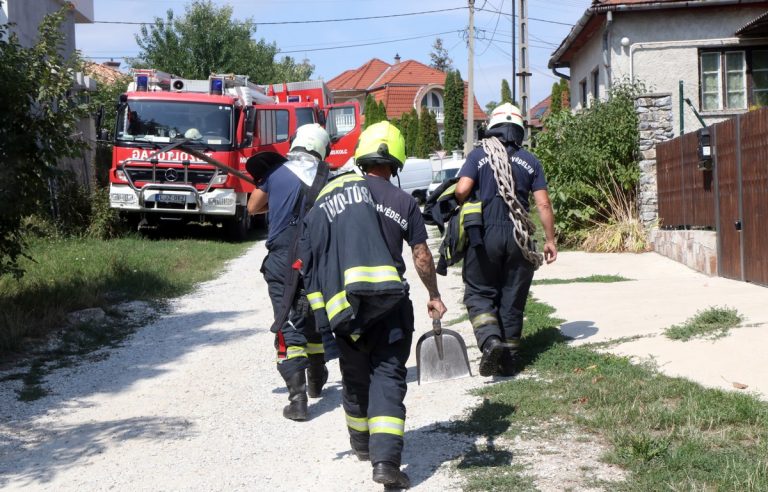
69,275
591,278
712,323
668,433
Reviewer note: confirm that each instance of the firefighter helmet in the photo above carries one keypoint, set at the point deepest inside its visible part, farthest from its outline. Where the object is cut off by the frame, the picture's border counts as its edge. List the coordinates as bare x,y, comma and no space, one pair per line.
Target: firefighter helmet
506,113
381,143
312,138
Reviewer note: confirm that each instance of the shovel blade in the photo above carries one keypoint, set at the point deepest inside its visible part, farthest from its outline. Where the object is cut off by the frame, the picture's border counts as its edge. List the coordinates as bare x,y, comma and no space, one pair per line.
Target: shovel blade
441,357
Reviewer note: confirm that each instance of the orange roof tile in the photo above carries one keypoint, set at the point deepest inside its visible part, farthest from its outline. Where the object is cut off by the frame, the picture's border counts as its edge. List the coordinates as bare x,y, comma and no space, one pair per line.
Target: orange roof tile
360,78
539,112
480,115
103,73
410,72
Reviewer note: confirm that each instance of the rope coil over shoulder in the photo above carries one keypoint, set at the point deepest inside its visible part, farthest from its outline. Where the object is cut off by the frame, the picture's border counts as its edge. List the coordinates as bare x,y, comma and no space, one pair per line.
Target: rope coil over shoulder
524,228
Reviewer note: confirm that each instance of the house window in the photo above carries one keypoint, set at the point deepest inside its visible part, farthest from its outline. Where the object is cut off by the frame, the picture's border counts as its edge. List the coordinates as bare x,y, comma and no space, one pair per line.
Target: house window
724,79
433,102
596,84
583,92
760,77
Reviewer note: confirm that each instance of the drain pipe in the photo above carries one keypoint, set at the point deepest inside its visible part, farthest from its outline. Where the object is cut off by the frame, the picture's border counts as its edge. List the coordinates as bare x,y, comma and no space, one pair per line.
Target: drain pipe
606,51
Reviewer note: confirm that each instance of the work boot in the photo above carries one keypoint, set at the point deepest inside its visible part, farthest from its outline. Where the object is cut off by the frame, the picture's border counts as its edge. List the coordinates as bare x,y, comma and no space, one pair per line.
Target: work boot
317,375
297,395
358,441
492,350
390,476
508,363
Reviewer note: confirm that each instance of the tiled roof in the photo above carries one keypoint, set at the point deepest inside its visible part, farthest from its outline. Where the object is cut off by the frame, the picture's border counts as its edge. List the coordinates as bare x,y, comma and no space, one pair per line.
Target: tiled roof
539,112
410,72
360,78
599,3
480,115
397,99
103,73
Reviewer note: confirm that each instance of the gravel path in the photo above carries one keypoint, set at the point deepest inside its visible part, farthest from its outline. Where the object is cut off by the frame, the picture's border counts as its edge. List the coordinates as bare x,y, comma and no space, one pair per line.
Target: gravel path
193,402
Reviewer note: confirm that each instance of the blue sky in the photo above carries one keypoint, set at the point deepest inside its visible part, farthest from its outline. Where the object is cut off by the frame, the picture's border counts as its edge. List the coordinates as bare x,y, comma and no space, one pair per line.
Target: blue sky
493,46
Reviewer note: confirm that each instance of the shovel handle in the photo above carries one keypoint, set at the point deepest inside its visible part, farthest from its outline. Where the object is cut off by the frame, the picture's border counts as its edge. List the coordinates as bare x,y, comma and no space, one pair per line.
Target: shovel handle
437,327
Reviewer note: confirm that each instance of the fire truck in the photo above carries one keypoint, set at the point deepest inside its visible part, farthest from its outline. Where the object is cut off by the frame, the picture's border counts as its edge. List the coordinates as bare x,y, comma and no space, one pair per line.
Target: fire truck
180,144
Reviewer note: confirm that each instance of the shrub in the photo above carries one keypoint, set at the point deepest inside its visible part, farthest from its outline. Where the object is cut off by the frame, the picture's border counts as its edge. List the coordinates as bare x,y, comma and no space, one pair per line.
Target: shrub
583,154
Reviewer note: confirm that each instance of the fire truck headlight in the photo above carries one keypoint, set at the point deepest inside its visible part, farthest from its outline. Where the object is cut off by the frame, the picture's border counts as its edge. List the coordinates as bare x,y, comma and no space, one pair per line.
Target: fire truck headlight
120,175
220,179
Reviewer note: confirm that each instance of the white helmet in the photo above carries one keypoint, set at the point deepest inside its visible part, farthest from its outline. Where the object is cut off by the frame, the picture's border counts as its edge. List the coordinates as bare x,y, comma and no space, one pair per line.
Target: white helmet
506,113
312,138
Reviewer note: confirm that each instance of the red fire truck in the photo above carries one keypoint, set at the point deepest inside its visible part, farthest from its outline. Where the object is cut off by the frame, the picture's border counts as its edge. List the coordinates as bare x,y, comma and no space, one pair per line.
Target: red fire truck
226,118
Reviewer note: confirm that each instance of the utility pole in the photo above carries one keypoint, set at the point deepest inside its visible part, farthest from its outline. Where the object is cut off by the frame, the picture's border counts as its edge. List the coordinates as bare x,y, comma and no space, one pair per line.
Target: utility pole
524,73
470,142
514,59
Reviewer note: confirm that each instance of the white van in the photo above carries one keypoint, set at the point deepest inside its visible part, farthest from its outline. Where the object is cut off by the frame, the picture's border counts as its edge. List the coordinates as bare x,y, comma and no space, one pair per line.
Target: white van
449,170
415,178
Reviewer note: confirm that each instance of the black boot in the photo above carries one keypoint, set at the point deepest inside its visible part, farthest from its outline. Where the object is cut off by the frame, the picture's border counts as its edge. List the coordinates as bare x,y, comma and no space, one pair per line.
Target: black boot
297,395
492,350
390,476
508,366
317,375
359,443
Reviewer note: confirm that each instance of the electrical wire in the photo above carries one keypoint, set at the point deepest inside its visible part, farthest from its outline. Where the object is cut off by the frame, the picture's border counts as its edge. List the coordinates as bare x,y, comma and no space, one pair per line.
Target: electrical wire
498,18
316,21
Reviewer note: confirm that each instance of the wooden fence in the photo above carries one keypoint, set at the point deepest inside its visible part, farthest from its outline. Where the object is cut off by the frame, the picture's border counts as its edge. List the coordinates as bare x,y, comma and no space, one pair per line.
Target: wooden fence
732,198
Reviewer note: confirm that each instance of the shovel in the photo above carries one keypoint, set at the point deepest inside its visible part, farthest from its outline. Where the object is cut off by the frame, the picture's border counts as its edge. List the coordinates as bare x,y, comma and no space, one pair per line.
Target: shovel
441,355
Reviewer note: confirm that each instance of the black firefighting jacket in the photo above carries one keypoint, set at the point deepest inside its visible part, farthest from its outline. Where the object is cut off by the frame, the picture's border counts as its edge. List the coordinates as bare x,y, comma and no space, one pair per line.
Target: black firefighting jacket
349,274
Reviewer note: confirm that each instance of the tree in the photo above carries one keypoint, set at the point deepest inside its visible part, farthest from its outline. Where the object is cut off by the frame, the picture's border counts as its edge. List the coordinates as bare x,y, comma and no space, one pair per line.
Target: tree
506,92
411,134
370,108
561,98
38,117
454,110
104,103
439,56
490,106
381,112
428,139
206,40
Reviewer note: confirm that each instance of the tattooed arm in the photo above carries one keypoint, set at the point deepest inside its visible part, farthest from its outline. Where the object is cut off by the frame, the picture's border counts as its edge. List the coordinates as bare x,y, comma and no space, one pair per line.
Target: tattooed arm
425,265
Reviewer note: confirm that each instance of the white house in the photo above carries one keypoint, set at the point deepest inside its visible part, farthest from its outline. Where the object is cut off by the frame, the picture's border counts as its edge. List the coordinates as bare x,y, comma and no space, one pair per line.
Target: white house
717,48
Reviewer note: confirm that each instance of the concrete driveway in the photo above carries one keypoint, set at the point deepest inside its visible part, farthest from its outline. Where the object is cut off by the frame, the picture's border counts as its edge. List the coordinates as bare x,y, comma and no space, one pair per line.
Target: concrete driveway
661,293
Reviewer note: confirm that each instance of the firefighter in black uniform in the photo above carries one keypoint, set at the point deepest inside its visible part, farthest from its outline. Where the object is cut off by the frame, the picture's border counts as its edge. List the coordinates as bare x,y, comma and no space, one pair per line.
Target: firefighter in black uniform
281,195
497,275
373,366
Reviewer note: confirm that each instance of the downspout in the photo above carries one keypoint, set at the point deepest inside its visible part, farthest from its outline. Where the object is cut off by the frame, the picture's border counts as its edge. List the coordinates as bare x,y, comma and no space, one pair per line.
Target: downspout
560,74
606,51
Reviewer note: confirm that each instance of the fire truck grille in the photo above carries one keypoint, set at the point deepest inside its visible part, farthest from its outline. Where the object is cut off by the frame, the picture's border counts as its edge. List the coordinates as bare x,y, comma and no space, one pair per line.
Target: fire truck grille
164,175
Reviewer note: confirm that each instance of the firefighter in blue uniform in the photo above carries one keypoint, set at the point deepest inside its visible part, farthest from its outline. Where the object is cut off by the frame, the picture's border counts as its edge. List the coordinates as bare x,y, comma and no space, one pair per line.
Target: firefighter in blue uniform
497,275
373,365
301,358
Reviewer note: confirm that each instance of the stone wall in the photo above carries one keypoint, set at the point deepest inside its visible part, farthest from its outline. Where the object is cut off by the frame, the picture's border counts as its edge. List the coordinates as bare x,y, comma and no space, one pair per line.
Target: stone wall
654,112
695,249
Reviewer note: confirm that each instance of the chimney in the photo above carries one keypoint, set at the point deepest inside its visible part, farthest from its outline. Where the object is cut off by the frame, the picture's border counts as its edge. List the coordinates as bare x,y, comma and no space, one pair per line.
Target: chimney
397,58
112,64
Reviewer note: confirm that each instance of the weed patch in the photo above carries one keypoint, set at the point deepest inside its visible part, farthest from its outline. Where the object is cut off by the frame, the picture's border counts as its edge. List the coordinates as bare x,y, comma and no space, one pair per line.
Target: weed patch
711,323
591,279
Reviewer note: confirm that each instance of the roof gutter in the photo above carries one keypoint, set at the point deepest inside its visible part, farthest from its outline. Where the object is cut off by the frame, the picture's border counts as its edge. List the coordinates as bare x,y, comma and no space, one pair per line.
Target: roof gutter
601,9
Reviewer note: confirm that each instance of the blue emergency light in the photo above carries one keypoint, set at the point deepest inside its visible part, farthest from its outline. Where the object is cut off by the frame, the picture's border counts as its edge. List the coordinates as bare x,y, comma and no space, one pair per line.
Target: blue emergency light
217,86
142,83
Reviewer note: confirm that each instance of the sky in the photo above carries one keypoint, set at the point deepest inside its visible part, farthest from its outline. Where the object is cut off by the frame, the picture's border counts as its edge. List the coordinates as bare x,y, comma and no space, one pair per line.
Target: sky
549,23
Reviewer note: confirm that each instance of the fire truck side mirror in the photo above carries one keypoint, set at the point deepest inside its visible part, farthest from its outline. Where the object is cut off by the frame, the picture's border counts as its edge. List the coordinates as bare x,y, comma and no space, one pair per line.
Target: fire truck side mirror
249,127
321,118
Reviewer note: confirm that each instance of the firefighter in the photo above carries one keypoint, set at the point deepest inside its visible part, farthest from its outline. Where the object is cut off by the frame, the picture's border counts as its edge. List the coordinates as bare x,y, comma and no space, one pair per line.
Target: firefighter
498,273
373,364
281,194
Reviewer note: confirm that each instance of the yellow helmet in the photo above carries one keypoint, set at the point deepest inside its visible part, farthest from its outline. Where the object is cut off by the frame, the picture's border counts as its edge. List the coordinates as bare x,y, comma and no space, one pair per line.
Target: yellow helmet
381,143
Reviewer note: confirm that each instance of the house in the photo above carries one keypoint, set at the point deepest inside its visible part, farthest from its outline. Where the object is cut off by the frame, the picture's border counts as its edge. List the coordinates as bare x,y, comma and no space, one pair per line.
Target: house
402,86
715,52
25,17
537,114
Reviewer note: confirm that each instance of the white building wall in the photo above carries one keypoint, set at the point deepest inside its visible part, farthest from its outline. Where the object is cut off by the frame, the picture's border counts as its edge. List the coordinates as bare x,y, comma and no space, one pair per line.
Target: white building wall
588,59
662,50
27,16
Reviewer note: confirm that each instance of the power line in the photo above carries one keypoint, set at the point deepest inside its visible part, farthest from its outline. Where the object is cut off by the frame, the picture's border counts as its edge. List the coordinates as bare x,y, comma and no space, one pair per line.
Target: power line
373,43
530,18
498,18
316,21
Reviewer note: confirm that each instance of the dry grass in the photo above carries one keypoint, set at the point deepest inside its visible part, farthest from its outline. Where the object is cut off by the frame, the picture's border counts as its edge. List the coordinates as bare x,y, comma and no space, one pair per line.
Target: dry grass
620,229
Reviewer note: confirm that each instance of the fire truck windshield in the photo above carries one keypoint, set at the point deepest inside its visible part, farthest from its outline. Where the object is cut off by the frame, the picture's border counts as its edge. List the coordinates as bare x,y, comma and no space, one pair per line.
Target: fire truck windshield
163,121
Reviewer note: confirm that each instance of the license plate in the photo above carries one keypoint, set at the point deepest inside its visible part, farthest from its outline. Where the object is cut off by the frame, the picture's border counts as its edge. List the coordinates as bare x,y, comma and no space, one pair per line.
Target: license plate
166,198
